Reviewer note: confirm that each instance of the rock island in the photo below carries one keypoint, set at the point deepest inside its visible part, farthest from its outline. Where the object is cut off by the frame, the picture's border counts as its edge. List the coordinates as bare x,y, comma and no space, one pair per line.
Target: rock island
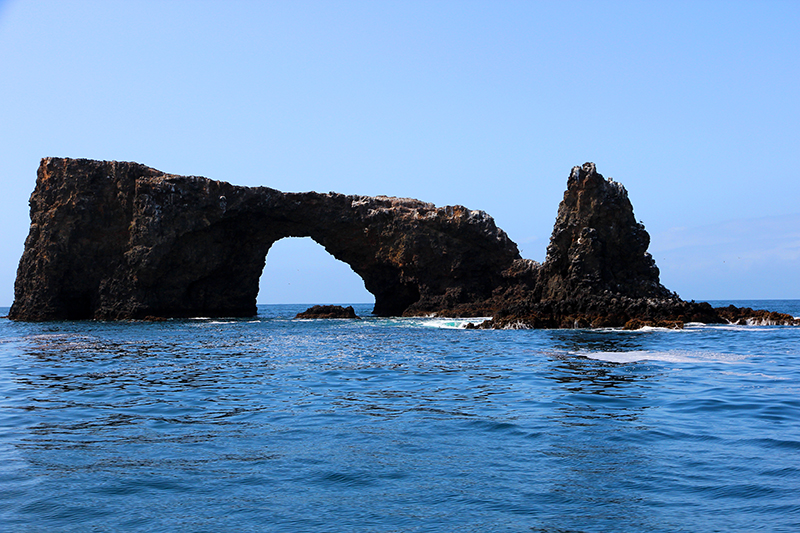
119,240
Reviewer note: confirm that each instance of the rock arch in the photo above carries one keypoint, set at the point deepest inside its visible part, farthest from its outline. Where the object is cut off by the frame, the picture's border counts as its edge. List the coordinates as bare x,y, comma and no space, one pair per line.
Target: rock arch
113,240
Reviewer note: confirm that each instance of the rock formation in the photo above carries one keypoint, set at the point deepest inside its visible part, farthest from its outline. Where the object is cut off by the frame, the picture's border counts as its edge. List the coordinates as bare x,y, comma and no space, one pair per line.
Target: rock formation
597,245
112,240
328,311
598,273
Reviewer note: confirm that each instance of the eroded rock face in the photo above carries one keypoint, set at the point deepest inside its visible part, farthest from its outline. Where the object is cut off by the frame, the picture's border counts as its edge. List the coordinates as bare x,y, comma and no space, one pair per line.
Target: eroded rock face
111,240
598,273
597,245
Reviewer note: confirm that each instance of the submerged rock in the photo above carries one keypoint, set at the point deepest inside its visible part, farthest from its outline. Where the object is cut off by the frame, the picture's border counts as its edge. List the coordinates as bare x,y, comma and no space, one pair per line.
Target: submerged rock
328,311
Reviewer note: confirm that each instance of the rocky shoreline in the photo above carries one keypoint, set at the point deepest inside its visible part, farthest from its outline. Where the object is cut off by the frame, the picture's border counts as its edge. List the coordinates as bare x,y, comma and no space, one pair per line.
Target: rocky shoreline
114,240
630,313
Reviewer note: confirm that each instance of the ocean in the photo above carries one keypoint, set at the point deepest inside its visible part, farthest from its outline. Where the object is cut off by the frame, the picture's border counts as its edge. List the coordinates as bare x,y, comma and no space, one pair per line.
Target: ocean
397,425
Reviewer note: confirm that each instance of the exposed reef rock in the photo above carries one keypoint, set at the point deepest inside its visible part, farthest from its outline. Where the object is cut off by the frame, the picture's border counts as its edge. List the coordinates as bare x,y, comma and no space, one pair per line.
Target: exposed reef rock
111,240
328,311
745,316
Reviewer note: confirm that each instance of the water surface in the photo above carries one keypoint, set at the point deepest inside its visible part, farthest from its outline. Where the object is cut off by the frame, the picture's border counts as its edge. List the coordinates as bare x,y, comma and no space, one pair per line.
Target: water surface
274,424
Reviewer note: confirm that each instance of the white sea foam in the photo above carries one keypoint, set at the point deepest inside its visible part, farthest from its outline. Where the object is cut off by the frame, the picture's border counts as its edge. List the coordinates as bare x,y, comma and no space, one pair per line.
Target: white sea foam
516,325
756,375
755,328
634,356
452,323
697,326
428,322
646,329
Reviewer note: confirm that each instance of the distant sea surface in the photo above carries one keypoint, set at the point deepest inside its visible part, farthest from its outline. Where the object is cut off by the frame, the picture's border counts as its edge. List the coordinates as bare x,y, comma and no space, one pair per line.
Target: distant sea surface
407,424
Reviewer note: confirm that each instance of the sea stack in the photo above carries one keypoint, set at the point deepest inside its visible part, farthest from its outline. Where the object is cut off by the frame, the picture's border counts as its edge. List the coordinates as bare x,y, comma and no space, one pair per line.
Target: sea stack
597,245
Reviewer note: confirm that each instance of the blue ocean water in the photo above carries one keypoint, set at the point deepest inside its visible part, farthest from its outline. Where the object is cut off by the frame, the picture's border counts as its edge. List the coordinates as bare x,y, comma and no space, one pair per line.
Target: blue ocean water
274,424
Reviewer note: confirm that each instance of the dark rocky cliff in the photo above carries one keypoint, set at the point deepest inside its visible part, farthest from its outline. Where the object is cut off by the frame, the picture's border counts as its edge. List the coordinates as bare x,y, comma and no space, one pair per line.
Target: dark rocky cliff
597,245
598,272
111,240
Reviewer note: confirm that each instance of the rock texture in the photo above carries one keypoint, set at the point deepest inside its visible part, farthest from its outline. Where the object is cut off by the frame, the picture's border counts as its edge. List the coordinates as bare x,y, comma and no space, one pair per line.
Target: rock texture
598,272
597,245
745,316
328,311
111,240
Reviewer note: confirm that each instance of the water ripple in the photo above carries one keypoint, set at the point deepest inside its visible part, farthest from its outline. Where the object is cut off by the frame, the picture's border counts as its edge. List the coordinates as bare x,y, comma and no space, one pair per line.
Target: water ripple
395,425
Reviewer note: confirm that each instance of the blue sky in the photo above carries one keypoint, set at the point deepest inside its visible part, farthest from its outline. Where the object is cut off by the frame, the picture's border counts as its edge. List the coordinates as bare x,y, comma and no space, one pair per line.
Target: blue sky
693,106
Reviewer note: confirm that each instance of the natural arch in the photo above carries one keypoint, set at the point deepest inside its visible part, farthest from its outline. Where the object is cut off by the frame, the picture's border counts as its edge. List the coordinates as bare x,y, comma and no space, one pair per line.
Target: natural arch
116,240
299,271
122,240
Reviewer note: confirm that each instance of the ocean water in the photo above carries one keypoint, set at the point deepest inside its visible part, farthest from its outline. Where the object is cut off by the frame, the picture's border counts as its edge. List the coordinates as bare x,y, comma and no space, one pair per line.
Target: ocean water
412,424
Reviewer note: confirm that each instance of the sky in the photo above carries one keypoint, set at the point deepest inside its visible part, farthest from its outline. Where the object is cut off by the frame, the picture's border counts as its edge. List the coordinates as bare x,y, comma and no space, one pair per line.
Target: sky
693,106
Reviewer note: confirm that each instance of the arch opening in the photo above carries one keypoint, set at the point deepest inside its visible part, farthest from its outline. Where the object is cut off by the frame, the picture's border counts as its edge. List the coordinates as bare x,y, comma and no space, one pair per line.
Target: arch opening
300,271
